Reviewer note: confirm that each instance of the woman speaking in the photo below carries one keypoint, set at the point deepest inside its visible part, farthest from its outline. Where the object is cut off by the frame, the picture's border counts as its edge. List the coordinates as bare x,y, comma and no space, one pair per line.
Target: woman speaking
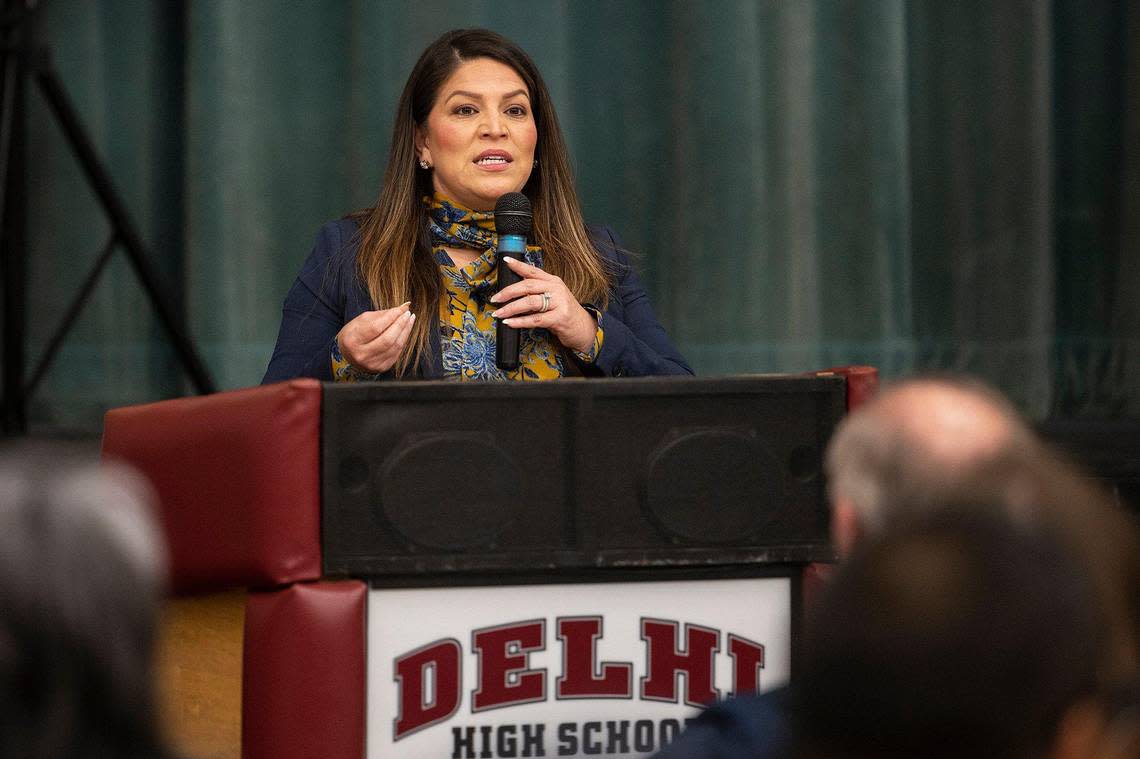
407,289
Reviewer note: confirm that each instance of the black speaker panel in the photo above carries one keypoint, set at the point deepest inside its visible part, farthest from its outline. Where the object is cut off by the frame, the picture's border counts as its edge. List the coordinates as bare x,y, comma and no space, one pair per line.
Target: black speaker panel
435,477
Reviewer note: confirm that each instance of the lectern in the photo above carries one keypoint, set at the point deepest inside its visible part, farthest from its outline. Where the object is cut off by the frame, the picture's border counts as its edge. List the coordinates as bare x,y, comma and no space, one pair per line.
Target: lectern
503,570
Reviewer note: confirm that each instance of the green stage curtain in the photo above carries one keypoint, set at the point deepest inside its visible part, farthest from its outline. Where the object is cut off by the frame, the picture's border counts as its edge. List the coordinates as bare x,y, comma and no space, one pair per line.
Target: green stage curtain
918,185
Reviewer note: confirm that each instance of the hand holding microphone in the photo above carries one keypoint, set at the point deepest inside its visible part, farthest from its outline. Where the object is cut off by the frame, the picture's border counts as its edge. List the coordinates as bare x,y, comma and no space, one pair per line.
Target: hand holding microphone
541,299
533,297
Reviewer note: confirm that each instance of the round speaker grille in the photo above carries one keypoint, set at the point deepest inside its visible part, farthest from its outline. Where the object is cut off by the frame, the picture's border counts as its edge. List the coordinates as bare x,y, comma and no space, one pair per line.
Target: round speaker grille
712,486
451,492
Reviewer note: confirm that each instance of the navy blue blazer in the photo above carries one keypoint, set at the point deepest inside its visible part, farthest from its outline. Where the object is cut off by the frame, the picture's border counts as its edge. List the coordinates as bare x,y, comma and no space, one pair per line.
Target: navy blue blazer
328,293
748,727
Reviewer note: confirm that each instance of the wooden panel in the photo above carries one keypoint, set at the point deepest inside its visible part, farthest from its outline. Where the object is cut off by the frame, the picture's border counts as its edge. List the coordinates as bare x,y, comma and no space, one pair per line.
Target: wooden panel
199,674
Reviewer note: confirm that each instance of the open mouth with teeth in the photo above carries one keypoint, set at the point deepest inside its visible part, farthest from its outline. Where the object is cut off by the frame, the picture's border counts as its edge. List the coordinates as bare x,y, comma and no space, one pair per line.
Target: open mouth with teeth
492,160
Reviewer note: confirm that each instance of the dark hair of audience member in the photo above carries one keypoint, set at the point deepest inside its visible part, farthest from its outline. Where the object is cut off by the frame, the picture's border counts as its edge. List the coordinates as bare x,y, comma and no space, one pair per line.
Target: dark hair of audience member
81,574
1036,488
961,634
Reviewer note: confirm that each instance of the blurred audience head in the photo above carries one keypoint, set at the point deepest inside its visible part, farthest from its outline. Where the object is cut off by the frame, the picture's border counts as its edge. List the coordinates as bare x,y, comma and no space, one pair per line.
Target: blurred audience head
931,446
1039,489
81,574
962,634
905,447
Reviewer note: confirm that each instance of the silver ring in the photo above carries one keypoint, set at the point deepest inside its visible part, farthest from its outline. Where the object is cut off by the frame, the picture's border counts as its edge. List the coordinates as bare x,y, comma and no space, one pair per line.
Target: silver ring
545,303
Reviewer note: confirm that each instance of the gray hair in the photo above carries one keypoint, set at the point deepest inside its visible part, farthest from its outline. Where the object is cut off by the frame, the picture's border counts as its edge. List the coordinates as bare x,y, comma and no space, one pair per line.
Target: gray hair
82,572
898,452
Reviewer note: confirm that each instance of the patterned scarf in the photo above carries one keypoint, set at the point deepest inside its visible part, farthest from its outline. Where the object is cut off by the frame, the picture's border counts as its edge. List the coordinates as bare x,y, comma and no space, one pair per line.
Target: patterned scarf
454,226
467,330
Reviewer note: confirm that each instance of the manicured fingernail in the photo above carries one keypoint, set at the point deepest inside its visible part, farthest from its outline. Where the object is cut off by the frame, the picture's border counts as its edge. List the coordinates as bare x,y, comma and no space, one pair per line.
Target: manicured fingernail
508,258
495,314
409,315
405,303
494,299
509,322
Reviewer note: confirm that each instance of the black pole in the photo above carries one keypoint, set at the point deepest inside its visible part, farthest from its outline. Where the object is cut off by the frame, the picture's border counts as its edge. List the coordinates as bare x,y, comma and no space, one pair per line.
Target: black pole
100,181
22,58
56,340
13,217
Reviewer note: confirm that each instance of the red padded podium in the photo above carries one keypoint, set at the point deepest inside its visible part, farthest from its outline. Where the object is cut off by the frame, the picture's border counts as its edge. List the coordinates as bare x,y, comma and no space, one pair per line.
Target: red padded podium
238,475
238,479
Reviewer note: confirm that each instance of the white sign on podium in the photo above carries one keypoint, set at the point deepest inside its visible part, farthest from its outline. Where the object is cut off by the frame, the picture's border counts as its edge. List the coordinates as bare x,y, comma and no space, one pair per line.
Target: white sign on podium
565,670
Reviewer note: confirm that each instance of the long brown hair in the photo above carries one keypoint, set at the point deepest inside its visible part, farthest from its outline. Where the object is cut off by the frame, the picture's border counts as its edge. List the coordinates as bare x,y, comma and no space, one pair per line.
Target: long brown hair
395,259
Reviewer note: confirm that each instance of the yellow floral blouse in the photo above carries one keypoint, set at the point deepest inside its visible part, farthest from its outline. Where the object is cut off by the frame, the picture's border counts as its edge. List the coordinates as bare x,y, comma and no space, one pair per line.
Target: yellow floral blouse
467,330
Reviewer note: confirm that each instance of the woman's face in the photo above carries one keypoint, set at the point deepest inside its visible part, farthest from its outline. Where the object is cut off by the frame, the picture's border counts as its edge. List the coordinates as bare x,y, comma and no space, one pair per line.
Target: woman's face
480,134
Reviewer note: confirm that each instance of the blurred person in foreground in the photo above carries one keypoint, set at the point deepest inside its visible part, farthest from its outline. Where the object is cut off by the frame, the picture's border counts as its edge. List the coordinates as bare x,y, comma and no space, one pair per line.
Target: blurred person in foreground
82,571
960,634
909,453
407,289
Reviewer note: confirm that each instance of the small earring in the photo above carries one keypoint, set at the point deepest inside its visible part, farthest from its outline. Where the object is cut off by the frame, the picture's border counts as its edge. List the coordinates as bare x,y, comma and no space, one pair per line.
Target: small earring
424,165
536,162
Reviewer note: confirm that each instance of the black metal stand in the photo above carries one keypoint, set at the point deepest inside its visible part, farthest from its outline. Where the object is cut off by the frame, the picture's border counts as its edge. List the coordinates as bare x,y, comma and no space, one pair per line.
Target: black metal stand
26,61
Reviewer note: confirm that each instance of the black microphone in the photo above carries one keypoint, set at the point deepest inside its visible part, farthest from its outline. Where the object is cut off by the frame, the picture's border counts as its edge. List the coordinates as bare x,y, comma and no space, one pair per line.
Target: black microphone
512,223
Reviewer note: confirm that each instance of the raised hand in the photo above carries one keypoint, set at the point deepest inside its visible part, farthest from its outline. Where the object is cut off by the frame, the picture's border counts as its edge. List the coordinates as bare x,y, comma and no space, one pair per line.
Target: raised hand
373,340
